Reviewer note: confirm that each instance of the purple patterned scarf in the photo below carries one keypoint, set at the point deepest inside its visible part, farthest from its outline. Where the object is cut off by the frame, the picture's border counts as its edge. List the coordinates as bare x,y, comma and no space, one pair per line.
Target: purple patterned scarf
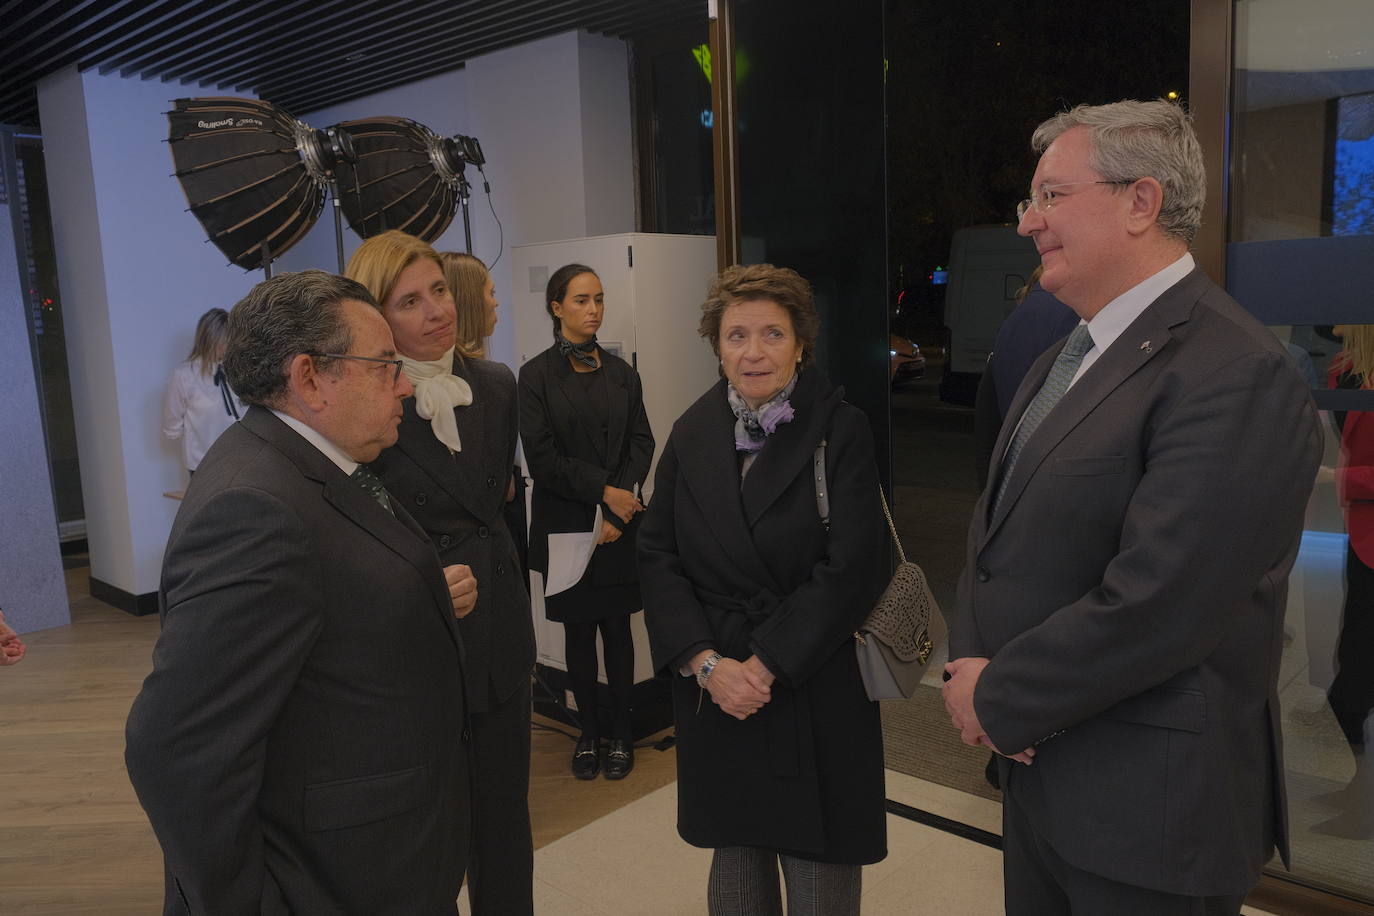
753,427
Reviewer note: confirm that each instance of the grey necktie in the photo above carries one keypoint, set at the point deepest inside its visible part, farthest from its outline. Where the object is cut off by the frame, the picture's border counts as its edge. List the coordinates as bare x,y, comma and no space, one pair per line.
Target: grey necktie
1056,383
372,484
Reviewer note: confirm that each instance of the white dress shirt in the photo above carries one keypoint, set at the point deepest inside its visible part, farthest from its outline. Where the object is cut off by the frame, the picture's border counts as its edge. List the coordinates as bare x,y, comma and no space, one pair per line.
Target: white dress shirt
1116,316
327,448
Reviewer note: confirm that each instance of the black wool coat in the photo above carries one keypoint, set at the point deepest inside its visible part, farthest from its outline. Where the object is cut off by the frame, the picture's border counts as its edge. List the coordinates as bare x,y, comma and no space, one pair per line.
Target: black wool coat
459,498
751,570
571,464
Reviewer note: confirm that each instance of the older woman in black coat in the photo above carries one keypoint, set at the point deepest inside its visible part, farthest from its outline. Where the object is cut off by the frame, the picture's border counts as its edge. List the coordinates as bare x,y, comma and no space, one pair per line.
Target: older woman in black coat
587,442
450,469
751,605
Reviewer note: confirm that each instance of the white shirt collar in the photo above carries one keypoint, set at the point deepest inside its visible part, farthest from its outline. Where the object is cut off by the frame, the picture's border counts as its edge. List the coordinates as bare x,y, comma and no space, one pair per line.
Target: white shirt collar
1116,316
327,448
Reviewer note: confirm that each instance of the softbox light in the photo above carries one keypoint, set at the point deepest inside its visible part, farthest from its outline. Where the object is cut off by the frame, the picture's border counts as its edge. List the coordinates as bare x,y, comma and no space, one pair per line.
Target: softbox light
405,177
253,175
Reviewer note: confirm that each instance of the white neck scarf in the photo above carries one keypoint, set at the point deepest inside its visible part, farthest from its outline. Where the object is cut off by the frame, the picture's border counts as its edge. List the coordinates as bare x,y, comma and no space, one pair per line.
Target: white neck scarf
437,392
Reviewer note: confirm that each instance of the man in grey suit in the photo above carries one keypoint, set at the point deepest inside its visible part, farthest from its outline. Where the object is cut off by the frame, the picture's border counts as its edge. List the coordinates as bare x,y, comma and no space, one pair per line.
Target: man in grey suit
1120,618
301,743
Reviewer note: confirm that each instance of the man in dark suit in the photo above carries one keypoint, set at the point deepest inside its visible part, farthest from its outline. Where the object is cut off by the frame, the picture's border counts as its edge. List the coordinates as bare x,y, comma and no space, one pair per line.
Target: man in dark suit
300,745
1121,615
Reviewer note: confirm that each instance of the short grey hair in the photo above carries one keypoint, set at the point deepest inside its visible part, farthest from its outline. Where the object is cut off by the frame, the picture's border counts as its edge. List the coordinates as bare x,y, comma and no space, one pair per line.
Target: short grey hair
290,314
1133,140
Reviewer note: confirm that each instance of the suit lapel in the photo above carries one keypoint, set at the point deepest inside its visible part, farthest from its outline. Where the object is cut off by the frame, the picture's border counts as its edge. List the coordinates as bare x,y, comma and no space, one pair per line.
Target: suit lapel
790,448
1144,340
460,474
398,533
705,441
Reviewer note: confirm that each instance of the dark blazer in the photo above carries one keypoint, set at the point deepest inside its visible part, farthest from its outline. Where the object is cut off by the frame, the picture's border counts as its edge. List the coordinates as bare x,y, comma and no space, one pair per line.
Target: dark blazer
1130,591
751,570
300,743
460,500
570,464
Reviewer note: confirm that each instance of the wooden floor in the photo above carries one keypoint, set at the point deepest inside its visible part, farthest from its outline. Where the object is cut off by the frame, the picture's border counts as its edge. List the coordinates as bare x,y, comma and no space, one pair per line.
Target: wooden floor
73,838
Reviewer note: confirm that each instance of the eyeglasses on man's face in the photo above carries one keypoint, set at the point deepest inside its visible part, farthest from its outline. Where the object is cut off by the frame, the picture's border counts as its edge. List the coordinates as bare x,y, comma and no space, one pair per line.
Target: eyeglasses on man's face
396,376
1042,199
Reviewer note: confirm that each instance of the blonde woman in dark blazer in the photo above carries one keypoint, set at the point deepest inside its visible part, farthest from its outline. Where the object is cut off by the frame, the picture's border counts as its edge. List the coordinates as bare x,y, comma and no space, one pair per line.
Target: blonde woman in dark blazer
588,443
451,470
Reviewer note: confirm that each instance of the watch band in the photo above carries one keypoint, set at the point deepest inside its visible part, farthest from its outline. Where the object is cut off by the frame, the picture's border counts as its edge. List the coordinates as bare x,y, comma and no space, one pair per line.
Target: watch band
704,672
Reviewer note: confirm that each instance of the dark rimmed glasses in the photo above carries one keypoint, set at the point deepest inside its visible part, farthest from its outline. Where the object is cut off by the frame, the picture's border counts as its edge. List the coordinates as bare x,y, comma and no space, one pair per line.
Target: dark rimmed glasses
396,377
1042,198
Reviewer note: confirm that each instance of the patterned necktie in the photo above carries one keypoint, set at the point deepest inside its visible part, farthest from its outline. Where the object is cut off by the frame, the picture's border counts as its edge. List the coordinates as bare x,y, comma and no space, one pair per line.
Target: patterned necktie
1056,383
372,485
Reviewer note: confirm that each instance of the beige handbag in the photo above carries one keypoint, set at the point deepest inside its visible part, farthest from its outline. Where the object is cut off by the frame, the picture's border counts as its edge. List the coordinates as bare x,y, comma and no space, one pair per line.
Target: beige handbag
896,640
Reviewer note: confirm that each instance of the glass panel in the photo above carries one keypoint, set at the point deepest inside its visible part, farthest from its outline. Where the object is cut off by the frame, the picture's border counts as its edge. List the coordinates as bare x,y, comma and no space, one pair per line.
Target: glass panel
683,185
1300,255
38,264
812,177
1301,223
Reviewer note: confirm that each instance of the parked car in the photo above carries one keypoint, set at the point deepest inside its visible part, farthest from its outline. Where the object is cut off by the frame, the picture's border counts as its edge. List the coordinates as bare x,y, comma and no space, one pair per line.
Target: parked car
905,361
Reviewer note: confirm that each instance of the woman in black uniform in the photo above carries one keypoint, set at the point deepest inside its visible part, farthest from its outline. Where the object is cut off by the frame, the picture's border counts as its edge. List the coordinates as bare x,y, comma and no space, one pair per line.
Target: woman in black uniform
587,443
450,469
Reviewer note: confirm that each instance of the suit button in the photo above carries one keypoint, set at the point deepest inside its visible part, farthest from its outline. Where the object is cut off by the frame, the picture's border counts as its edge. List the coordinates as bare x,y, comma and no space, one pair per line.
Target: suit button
421,499
445,540
500,569
982,574
467,734
491,483
483,532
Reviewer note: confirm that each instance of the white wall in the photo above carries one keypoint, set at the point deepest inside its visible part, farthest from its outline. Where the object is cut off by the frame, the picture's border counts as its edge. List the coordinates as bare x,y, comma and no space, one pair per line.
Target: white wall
607,159
135,273
539,108
553,117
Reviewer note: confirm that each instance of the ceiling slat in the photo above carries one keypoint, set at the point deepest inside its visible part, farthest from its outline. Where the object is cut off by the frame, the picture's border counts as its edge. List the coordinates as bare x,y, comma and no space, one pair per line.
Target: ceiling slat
52,12
550,18
65,41
436,22
294,51
351,28
244,40
194,20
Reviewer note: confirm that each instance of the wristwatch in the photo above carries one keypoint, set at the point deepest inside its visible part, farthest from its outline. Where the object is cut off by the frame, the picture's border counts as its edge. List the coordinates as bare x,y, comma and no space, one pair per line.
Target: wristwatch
704,672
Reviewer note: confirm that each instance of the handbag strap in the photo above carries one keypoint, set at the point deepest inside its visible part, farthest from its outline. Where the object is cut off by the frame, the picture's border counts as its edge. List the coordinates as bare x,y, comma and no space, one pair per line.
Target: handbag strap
891,526
822,491
823,501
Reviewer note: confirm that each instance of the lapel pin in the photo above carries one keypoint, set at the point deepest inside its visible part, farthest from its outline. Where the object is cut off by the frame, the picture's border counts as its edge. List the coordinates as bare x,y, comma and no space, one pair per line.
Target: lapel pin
1146,347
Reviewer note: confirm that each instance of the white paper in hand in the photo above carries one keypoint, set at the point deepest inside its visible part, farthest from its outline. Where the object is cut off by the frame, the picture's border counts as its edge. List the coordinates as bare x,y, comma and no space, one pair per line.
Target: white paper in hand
569,555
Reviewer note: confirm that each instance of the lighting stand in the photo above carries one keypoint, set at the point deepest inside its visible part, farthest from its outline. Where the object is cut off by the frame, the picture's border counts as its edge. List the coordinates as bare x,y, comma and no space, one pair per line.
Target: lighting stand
338,219
464,193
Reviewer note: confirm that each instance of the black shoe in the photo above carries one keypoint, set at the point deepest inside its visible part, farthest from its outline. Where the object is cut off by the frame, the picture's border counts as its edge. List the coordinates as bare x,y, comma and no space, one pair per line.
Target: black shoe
586,759
621,759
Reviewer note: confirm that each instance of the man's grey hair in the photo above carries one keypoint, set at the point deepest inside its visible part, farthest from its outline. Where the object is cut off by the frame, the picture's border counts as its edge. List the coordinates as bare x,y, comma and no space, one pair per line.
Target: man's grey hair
291,313
1133,140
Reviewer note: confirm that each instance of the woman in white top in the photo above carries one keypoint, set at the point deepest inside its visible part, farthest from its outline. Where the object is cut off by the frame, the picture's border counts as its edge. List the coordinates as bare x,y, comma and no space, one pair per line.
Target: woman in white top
199,405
